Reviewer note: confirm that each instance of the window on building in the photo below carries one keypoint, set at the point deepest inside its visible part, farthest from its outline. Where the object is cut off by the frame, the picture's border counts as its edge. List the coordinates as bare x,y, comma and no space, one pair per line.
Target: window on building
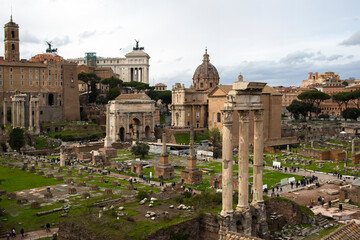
197,114
55,83
10,76
49,72
0,83
11,69
30,70
30,83
0,76
22,83
13,47
11,82
0,69
30,76
37,77
37,83
55,77
21,69
49,77
218,117
12,34
43,70
43,83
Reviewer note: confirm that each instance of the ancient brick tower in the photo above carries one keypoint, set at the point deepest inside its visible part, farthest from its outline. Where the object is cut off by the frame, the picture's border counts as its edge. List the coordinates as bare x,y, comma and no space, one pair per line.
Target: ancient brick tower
12,50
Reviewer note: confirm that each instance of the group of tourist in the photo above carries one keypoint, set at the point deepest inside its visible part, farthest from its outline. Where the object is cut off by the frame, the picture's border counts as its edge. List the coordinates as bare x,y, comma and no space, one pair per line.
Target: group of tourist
12,233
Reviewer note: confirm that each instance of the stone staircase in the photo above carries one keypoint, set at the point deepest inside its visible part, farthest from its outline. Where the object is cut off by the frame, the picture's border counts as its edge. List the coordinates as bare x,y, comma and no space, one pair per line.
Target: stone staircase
2,232
321,220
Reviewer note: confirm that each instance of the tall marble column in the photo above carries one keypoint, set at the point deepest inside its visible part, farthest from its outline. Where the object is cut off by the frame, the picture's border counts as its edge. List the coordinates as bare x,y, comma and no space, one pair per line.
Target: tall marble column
37,116
31,123
353,151
22,103
258,156
107,141
5,112
227,164
243,202
13,122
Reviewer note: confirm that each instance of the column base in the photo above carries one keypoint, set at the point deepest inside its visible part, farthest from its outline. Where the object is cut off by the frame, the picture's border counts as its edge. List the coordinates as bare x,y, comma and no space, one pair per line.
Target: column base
227,224
227,213
242,208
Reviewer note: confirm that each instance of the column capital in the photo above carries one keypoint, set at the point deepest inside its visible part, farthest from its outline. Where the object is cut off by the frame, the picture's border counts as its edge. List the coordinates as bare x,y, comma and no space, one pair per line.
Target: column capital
259,115
244,115
227,116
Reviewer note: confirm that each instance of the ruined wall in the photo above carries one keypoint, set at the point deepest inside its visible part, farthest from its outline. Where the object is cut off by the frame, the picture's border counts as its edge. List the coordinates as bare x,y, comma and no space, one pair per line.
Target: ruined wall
350,193
205,227
355,158
334,155
287,212
307,152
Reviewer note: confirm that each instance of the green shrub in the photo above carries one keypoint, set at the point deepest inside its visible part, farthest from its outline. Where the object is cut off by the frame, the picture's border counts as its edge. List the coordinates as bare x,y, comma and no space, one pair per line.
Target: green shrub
141,195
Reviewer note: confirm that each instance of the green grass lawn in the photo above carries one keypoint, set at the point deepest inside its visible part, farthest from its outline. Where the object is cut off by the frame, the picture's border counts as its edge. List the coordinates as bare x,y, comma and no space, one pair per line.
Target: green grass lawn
15,179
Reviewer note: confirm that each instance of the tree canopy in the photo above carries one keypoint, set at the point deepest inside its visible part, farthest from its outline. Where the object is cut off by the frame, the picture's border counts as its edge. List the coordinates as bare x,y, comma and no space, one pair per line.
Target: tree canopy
351,113
140,149
314,97
298,108
342,98
112,93
112,82
165,96
91,79
17,139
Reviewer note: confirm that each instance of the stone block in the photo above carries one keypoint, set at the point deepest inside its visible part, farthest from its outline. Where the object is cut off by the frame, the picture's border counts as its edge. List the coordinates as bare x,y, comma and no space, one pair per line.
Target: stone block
71,191
108,191
94,187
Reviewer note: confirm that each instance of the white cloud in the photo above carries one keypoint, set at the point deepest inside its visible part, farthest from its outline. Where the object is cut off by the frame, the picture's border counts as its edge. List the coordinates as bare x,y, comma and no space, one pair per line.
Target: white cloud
352,40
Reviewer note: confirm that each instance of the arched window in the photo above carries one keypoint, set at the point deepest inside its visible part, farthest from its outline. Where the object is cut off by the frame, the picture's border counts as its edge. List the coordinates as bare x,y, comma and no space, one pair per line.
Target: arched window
218,117
13,47
211,84
12,34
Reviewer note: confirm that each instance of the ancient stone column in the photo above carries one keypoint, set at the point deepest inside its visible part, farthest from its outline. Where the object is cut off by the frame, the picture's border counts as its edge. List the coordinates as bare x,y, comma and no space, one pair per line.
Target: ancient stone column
62,156
37,116
227,164
13,122
107,141
163,144
258,156
5,113
22,105
31,124
243,202
353,151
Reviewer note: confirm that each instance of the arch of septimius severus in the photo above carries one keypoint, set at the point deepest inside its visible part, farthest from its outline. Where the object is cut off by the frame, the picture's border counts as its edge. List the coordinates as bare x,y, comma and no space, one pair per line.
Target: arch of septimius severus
249,219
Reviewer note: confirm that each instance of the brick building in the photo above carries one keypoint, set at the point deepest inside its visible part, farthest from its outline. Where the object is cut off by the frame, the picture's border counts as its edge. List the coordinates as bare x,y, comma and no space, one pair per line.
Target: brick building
47,76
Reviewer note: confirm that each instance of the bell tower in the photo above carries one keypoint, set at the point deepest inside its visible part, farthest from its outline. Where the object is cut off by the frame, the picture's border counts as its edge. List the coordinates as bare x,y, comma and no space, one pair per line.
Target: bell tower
11,40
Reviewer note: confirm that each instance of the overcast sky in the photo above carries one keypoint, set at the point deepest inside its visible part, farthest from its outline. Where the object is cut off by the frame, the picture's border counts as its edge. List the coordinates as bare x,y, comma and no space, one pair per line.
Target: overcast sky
277,41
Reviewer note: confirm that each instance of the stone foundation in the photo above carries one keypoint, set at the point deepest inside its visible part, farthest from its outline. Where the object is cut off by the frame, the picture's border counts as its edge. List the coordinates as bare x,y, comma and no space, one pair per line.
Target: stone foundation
165,171
137,168
191,176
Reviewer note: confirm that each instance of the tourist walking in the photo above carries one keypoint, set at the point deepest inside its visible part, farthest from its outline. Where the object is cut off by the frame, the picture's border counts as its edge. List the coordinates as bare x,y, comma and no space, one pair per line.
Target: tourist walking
48,227
340,207
13,232
22,232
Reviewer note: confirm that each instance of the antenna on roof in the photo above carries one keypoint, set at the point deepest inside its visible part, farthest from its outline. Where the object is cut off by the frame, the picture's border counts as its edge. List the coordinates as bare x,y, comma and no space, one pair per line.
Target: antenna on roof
11,13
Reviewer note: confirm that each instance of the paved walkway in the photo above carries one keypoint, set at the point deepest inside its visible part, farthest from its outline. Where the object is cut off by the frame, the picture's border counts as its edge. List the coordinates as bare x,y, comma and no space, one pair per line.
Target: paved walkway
34,235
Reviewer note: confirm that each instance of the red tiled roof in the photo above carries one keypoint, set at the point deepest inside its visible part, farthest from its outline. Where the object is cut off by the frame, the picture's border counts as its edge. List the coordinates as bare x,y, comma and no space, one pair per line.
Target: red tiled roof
350,231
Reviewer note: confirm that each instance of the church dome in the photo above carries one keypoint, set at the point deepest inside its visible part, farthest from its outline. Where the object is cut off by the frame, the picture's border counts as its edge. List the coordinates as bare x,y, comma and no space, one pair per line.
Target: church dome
206,76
